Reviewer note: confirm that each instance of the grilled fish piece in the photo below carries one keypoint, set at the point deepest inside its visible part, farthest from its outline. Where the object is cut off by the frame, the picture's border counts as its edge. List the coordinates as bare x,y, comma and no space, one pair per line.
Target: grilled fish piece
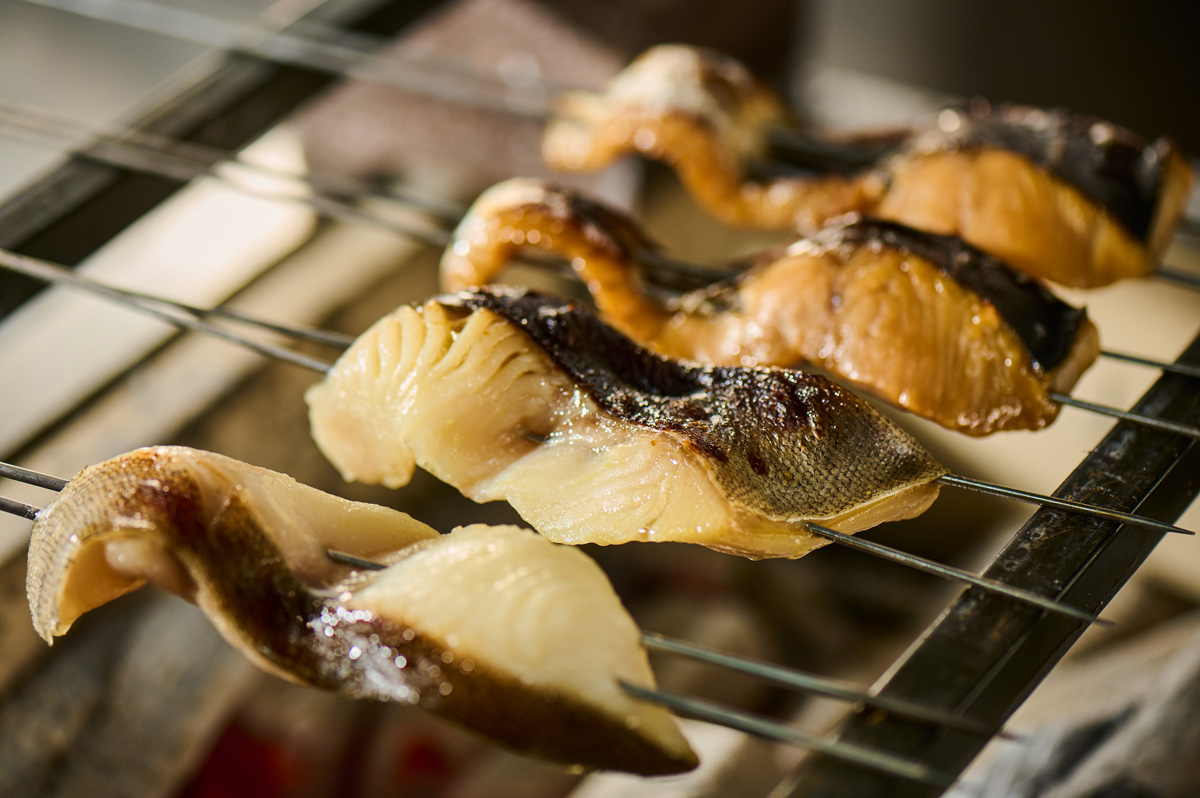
923,321
1058,195
492,627
511,395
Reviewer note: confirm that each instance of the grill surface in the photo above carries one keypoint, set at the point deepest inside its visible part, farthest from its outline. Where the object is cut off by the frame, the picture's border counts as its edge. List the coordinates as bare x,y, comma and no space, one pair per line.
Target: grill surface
980,659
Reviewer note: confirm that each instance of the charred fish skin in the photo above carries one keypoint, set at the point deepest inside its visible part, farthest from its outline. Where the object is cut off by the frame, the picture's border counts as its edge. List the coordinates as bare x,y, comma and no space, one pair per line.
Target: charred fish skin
383,635
1062,196
976,345
1120,170
506,395
803,425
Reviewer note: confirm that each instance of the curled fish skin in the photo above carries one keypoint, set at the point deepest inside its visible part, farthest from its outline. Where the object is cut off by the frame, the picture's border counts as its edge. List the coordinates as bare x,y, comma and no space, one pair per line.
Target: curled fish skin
494,628
923,321
1061,196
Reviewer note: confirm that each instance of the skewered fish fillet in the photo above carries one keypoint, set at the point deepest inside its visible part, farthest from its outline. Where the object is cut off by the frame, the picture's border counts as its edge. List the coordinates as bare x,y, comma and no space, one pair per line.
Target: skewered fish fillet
492,627
1058,195
511,395
920,320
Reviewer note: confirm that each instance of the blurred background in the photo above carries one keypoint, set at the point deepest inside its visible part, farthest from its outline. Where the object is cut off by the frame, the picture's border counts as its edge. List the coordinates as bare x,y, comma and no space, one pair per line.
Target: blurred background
81,380
1136,65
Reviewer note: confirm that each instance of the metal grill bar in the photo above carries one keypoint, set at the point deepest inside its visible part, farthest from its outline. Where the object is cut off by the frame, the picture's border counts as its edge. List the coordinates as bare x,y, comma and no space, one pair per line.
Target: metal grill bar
79,206
986,653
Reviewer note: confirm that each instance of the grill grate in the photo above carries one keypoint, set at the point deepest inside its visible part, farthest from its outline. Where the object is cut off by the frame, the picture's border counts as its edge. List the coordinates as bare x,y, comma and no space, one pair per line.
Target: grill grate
979,660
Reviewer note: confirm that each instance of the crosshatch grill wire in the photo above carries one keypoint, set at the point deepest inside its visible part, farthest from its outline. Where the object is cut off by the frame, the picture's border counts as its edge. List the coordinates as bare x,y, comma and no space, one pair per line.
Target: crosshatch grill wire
1098,564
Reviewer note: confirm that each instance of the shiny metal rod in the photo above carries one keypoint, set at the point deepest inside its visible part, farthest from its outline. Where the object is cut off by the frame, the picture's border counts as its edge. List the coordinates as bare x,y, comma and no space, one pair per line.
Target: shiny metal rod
19,509
953,574
25,265
54,273
37,479
174,158
125,154
1178,277
1173,427
751,724
990,488
1182,369
819,685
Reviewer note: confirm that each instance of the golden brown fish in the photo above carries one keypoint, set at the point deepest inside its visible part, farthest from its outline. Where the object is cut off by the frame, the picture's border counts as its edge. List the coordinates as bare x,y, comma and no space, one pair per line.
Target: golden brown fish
512,395
1058,195
923,321
492,627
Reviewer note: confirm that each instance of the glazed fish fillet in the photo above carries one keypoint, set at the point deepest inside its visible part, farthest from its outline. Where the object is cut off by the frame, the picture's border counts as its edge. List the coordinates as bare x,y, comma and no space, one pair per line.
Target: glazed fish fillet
1058,195
492,627
511,395
923,321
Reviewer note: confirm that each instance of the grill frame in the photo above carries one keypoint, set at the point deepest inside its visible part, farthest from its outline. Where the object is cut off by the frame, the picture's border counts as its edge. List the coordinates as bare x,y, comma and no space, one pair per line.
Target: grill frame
1082,562
79,206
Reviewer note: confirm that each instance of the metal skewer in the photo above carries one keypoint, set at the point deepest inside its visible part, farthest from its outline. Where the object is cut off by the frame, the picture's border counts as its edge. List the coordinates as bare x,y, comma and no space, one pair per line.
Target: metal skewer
1178,276
952,573
18,509
751,724
979,486
1125,415
136,149
37,479
1182,369
704,710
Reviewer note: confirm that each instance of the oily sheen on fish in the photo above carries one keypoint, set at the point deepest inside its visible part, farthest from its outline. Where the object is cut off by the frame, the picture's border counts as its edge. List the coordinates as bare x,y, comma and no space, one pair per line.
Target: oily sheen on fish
1058,195
512,395
492,627
925,322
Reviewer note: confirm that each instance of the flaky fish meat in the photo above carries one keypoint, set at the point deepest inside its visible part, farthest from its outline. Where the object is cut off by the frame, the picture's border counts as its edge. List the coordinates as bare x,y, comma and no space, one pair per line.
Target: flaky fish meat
923,321
1058,195
495,628
506,394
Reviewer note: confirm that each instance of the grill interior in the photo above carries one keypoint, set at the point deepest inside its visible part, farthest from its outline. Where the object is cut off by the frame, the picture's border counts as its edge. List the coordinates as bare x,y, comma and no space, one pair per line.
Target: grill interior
75,711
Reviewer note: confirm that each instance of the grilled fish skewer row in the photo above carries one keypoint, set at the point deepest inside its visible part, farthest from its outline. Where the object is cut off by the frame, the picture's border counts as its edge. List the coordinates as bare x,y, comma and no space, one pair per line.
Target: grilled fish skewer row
492,627
1058,195
188,321
512,395
922,321
778,675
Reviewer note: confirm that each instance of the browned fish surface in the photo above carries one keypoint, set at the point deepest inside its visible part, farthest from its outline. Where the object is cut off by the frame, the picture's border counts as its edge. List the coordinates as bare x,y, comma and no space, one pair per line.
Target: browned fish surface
593,439
1061,196
492,627
922,321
